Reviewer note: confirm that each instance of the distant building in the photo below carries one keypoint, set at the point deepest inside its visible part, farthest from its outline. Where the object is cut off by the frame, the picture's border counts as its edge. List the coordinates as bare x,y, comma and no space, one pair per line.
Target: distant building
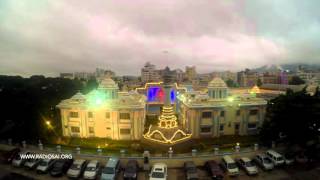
225,75
179,75
99,72
102,73
149,73
191,72
218,113
309,77
83,75
104,113
66,75
247,78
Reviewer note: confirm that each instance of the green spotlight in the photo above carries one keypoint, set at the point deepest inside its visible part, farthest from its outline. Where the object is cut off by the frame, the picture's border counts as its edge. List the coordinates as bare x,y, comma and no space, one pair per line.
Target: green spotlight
230,99
97,99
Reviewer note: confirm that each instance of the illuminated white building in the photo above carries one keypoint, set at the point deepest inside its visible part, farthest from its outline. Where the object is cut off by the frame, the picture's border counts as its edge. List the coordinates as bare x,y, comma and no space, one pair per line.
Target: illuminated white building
104,113
217,112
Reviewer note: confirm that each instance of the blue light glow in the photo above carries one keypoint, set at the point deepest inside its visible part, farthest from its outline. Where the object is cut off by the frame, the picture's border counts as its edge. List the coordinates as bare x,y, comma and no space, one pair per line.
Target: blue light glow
172,96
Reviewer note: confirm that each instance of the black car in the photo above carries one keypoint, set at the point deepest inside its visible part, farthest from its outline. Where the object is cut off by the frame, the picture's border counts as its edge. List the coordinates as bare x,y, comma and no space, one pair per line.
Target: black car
191,170
10,155
214,170
60,167
131,170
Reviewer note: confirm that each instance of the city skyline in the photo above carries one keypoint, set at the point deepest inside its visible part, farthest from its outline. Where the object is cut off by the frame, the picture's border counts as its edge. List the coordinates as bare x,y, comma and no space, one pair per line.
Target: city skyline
50,37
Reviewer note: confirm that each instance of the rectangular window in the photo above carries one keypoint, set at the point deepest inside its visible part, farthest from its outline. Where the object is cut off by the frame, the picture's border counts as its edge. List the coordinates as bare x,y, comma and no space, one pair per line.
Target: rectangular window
124,115
75,129
91,130
90,115
252,125
254,112
125,131
107,115
238,112
221,127
206,114
206,129
74,114
108,128
222,114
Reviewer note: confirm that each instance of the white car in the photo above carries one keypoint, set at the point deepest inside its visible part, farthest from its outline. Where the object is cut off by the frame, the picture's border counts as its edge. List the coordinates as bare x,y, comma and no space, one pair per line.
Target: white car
76,168
159,172
229,166
264,162
91,170
276,158
18,161
246,164
45,165
31,163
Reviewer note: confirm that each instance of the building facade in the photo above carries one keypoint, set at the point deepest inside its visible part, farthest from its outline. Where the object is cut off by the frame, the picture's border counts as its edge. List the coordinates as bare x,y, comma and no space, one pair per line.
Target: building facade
149,73
105,113
191,72
217,112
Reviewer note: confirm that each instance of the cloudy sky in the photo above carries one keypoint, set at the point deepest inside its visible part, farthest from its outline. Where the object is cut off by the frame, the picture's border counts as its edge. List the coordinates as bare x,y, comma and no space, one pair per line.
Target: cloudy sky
48,37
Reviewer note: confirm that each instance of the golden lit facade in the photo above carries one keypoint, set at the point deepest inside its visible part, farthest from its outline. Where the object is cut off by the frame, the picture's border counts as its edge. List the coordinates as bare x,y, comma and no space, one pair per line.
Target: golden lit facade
217,112
104,113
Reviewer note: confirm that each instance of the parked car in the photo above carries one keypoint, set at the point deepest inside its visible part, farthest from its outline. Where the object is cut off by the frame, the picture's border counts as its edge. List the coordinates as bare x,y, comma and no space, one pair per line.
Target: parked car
60,167
111,169
18,161
191,170
45,165
246,164
31,163
214,170
8,156
288,158
229,165
301,158
91,170
263,161
158,172
275,157
131,170
77,168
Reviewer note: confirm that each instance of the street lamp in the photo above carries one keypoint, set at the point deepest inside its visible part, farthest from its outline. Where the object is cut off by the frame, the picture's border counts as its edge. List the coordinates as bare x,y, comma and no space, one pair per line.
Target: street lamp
48,123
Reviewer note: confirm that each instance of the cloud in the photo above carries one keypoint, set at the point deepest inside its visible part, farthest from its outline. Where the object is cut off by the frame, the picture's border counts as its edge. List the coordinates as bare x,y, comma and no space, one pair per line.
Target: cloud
48,37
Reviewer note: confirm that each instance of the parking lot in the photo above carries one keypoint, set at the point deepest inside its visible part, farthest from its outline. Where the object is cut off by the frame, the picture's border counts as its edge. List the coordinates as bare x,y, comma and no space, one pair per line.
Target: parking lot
288,173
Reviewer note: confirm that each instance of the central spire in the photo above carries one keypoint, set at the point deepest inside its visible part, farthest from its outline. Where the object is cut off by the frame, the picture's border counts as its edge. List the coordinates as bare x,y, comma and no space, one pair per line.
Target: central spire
167,131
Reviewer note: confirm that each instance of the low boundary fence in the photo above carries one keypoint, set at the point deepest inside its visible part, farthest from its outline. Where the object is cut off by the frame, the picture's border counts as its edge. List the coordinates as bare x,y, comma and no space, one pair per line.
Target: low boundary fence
170,158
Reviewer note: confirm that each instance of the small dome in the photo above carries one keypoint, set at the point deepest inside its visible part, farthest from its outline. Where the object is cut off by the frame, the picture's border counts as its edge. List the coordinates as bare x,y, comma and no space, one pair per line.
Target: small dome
108,83
79,97
217,83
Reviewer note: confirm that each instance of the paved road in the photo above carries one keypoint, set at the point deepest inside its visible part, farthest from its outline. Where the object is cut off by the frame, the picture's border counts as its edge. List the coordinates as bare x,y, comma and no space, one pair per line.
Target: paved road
289,173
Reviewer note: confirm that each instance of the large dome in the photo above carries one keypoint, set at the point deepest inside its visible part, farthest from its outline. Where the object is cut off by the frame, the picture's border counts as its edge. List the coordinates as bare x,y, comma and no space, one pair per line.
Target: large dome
107,83
217,83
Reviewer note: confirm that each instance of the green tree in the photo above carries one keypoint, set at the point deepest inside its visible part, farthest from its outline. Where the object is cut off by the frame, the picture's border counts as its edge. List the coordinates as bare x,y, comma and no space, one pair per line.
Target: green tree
231,83
295,115
26,103
259,82
296,80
